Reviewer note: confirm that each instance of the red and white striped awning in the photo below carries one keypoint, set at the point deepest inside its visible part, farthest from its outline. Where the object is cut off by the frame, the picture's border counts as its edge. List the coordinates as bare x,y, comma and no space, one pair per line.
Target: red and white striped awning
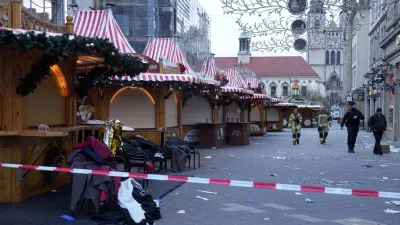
236,90
209,67
101,24
22,31
253,82
160,77
274,100
168,48
261,96
235,80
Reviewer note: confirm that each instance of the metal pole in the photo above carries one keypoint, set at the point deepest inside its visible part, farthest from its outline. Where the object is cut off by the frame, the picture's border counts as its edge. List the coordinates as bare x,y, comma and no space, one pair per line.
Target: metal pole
396,107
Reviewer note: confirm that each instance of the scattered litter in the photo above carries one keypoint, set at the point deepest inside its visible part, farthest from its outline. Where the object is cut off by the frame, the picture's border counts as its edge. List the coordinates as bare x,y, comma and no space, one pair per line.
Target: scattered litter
205,199
231,155
250,201
181,211
384,165
366,166
301,153
208,192
158,155
388,202
214,147
391,211
67,218
309,200
361,205
176,193
385,178
321,173
396,203
266,219
273,175
359,182
397,150
278,157
208,157
298,193
396,179
53,191
297,168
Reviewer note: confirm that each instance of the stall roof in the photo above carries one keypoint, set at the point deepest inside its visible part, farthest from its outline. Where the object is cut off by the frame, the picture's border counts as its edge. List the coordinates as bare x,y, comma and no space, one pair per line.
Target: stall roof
235,80
22,31
253,82
101,24
161,77
209,67
168,48
284,104
236,90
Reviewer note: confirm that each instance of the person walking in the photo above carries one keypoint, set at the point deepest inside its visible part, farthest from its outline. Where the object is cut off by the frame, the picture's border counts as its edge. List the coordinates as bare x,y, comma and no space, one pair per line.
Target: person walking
352,120
324,121
378,124
295,121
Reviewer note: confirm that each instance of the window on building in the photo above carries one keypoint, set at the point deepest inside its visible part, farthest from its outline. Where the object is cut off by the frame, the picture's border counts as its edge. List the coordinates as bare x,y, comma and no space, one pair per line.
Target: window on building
273,90
332,57
327,57
316,24
285,89
303,90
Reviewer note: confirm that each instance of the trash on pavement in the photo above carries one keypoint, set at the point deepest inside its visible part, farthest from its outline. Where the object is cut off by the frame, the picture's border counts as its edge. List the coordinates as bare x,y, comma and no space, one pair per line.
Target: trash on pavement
273,175
278,157
208,157
53,191
205,199
384,165
181,211
396,203
250,201
298,193
309,200
391,211
231,155
366,166
397,150
208,192
359,182
388,203
322,173
385,178
67,218
266,218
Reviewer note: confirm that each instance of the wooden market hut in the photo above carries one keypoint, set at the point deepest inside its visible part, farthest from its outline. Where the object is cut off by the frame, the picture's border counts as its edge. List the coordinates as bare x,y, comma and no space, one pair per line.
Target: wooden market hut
277,114
29,100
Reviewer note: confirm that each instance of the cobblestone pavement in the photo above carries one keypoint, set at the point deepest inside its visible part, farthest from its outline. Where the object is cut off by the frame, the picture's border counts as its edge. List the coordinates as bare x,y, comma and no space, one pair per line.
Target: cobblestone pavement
309,163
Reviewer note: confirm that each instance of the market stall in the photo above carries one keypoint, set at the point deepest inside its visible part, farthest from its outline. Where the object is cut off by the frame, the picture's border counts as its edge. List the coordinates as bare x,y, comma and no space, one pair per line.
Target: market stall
38,107
277,117
307,109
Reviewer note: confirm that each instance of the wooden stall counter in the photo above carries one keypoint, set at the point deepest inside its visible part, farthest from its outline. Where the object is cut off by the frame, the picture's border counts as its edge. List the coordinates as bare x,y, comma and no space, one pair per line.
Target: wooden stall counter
211,135
237,133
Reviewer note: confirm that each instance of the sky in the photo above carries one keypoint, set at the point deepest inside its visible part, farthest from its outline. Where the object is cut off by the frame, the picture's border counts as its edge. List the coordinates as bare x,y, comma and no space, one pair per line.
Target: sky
225,32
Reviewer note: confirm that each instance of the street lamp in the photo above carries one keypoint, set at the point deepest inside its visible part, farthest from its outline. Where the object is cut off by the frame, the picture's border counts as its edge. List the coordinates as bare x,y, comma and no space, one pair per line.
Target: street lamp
385,67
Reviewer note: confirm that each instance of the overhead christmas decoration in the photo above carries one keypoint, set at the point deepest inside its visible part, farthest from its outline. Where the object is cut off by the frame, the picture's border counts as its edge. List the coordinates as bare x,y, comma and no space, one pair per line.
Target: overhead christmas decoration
55,49
283,25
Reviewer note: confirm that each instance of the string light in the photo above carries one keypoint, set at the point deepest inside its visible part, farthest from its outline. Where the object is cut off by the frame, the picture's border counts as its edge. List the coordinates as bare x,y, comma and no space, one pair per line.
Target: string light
60,78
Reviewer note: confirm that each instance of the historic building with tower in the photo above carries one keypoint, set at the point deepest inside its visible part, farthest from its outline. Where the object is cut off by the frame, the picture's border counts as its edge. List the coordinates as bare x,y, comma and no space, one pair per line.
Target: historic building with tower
325,49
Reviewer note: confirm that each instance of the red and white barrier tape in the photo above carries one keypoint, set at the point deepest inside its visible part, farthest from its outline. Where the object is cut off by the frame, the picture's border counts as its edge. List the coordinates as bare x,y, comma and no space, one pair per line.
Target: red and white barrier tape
198,180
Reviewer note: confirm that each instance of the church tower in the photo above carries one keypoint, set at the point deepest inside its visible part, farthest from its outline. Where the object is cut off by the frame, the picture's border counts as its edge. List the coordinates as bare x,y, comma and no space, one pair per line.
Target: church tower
244,53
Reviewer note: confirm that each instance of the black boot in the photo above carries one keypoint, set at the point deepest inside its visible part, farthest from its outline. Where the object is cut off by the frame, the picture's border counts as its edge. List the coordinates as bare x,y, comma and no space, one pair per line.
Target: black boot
298,141
352,150
349,150
294,143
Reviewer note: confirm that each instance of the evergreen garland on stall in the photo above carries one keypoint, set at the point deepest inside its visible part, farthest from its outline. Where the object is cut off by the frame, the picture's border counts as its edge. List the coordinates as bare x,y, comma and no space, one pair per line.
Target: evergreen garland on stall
55,49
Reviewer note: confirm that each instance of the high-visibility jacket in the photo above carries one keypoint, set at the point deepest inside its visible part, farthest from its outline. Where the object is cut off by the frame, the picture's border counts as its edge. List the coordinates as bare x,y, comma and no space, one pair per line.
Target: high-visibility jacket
295,122
323,120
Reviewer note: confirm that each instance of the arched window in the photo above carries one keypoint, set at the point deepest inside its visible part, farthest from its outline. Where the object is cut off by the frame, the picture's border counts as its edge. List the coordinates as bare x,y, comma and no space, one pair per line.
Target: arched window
332,57
273,89
338,58
327,57
316,24
285,89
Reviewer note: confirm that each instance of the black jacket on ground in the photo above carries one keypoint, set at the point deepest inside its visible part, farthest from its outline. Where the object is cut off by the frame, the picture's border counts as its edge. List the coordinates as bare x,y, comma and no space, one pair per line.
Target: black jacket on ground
349,120
377,122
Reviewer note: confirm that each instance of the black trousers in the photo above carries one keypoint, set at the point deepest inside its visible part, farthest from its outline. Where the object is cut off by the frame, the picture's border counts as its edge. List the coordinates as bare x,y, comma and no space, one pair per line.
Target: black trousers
378,137
352,132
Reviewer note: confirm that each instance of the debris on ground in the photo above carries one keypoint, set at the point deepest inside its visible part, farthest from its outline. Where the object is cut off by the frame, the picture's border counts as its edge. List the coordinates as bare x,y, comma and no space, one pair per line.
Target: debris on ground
67,218
385,178
396,203
366,166
298,193
250,201
273,175
181,211
278,157
208,192
359,182
208,157
396,150
384,165
199,197
266,219
309,200
391,211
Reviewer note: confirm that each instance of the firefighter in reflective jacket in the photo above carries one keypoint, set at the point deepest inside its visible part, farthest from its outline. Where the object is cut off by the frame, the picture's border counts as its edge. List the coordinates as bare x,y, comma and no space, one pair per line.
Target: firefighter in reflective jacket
295,121
324,121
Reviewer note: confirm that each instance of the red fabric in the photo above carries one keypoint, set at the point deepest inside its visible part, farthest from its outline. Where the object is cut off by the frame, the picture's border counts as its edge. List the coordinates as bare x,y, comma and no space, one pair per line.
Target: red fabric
104,195
149,166
80,145
99,147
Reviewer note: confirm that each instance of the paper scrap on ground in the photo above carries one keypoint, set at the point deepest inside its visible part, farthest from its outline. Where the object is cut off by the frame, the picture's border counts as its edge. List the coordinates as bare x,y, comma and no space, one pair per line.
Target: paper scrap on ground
205,199
207,157
396,203
298,193
385,178
181,211
309,200
208,192
384,165
250,201
231,155
391,211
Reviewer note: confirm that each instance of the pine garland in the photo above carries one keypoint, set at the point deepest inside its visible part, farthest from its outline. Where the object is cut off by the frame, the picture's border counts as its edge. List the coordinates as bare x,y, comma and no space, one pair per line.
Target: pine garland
58,48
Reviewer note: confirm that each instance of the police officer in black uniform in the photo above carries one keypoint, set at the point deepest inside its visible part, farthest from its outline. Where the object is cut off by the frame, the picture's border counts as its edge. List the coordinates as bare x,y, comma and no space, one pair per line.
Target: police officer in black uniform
352,120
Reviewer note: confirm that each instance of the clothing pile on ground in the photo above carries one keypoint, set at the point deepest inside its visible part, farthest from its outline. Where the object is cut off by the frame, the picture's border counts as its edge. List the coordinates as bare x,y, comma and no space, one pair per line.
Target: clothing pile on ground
134,206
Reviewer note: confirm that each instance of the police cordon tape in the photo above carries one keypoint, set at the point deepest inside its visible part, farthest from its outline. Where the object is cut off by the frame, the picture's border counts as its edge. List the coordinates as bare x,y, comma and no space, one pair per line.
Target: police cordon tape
199,180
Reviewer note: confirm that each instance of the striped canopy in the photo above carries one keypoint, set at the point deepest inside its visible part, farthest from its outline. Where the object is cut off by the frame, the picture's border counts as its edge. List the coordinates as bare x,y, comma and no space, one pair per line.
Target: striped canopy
209,67
101,24
235,80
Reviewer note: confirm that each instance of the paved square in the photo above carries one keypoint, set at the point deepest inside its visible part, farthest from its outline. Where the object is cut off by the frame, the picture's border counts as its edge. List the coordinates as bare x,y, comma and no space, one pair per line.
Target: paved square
233,207
356,221
276,206
306,218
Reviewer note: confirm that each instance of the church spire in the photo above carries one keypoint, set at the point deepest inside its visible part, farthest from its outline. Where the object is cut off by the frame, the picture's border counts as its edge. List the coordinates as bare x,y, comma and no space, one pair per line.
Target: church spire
316,6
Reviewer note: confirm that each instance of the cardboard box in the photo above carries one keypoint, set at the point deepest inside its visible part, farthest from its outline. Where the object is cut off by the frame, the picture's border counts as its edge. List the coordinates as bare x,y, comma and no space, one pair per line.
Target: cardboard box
386,149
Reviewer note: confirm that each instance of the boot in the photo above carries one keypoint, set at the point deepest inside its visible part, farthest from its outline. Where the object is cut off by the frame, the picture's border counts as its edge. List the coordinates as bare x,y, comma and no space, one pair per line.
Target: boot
349,150
294,143
352,150
298,141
